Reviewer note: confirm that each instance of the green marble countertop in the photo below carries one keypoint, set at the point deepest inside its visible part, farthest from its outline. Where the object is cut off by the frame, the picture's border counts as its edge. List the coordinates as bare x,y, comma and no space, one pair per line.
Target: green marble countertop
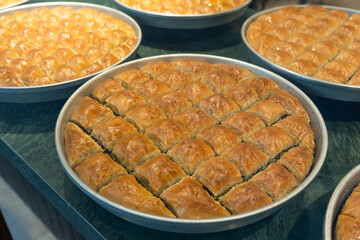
27,141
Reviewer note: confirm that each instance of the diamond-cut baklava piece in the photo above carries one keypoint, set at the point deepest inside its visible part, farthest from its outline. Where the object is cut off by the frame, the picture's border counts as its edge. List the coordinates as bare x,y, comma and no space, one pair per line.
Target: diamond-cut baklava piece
195,92
326,48
336,71
194,68
171,103
189,153
159,173
110,131
291,49
129,193
78,145
315,58
144,115
174,79
303,67
244,95
298,160
218,174
268,110
218,137
150,89
277,56
122,101
131,78
156,68
351,207
245,197
134,149
247,158
276,181
166,133
349,56
347,228
272,140
89,112
219,106
296,127
303,39
355,80
188,199
194,119
218,80
263,86
264,42
244,123
106,89
98,170
240,74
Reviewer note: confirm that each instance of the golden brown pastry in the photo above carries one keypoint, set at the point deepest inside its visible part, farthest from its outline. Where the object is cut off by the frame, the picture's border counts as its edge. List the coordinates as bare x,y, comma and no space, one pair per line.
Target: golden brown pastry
150,89
336,71
263,86
106,89
155,206
296,127
244,198
188,199
268,110
355,80
218,174
351,207
247,158
144,115
276,181
156,68
78,145
159,173
98,170
277,56
347,228
218,80
171,103
194,68
218,137
110,131
131,78
244,95
90,113
134,149
189,153
123,101
174,79
166,133
195,92
240,74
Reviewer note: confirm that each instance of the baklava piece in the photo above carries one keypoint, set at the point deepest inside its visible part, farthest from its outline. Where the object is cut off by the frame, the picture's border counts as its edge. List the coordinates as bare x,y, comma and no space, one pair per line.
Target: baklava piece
264,42
195,92
155,206
123,101
144,115
272,140
194,68
352,206
188,199
315,58
240,74
131,78
291,49
218,137
166,133
244,123
194,119
174,79
110,131
78,145
245,96
245,197
355,80
98,170
171,103
158,173
298,160
336,71
219,106
303,39
264,87
347,228
134,149
218,174
156,68
276,181
349,56
218,80
106,89
278,57
326,48
268,110
189,153
89,112
296,127
247,158
150,89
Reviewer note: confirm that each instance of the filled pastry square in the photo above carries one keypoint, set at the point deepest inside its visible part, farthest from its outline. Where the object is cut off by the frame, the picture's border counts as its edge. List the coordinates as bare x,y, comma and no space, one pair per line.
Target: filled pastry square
240,74
243,95
268,110
351,207
157,68
144,115
171,103
131,78
296,127
263,86
194,68
121,102
159,173
174,79
189,153
188,199
347,228
218,174
106,89
150,89
195,92
218,80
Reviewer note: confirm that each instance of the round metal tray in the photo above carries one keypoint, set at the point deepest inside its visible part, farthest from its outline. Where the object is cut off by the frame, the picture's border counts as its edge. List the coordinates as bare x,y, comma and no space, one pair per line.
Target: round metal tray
191,225
179,21
337,200
62,90
318,87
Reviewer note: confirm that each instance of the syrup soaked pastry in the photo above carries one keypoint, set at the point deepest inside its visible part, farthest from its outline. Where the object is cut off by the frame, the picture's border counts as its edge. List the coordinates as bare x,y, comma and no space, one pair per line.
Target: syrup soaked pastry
314,41
190,139
55,45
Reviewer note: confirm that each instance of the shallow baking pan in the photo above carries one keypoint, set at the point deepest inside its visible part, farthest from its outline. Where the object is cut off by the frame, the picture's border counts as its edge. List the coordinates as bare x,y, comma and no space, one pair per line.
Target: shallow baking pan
191,225
62,90
314,86
337,200
180,21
